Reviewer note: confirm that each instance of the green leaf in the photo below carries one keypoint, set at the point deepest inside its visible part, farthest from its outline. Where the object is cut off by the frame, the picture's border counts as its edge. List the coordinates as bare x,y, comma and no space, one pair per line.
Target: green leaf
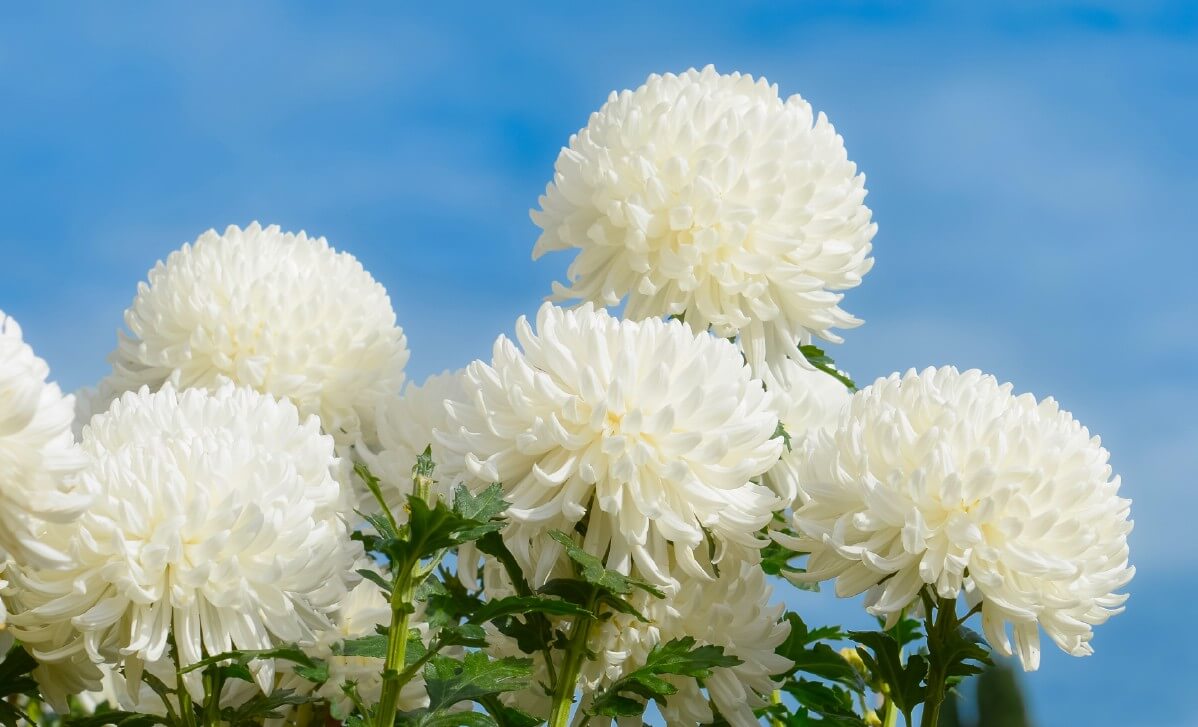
445,718
960,653
781,432
377,579
519,605
449,681
486,505
679,657
803,647
833,704
374,645
471,635
905,631
593,571
506,716
263,707
287,653
318,674
884,660
776,559
14,673
122,719
820,360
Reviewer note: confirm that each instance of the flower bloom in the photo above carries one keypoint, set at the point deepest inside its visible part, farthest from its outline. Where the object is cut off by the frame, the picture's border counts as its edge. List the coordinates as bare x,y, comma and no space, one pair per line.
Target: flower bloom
652,432
214,520
283,314
37,453
947,480
710,195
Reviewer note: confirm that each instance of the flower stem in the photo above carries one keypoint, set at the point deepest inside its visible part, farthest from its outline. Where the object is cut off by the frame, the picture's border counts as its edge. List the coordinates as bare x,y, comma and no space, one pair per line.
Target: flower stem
938,628
567,678
187,712
397,649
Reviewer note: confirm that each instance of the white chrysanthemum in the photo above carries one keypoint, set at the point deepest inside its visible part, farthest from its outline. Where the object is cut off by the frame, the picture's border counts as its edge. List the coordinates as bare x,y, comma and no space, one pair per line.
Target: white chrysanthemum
651,431
710,195
213,520
37,453
363,610
281,313
405,426
808,401
947,479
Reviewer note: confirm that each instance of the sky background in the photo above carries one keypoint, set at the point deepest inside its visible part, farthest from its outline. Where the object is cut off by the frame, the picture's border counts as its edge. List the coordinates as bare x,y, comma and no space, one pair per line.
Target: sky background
1031,171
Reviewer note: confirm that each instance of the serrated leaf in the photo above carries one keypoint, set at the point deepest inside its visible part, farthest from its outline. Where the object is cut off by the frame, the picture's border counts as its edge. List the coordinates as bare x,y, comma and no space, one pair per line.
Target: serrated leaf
449,681
115,717
884,660
486,505
593,571
680,657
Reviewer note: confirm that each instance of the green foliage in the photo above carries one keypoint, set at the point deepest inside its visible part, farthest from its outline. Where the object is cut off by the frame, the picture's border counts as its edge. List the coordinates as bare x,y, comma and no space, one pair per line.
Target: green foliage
882,655
450,681
628,696
593,571
822,361
15,680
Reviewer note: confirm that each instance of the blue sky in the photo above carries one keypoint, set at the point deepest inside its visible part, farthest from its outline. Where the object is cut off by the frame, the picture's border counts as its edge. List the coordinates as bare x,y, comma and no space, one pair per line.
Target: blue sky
1030,170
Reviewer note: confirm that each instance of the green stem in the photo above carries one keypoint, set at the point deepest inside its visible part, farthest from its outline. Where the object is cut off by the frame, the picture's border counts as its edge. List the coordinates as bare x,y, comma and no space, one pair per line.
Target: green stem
939,627
187,713
567,678
397,649
892,713
212,689
776,698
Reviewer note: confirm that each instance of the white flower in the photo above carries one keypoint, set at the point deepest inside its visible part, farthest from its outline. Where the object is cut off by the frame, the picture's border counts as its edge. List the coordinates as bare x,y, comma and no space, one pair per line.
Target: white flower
652,432
808,400
213,520
710,195
283,314
364,610
948,480
37,453
405,426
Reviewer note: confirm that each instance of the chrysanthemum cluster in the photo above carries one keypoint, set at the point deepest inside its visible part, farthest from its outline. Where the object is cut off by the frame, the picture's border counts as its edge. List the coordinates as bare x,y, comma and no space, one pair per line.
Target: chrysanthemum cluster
949,480
711,196
624,485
